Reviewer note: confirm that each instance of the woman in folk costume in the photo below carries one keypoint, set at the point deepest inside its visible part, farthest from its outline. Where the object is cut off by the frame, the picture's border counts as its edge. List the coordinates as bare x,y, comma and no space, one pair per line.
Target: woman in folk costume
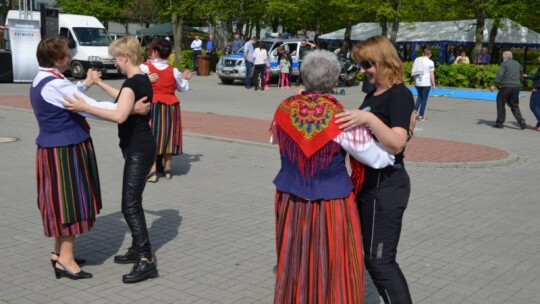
69,194
166,116
318,237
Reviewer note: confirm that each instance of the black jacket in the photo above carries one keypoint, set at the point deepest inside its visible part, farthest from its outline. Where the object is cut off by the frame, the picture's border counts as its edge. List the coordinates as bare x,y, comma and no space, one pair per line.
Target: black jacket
536,79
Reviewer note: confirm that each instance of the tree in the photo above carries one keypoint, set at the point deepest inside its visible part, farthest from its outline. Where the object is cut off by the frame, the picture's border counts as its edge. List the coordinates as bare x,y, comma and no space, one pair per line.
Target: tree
104,10
151,13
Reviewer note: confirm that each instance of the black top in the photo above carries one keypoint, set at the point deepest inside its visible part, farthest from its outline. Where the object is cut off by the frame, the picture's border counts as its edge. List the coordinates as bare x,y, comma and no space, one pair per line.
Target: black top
536,79
304,49
135,133
393,108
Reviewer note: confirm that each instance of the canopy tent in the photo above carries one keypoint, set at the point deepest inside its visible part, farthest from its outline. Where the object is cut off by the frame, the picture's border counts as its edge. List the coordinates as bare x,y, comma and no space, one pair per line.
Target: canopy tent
459,32
165,29
443,33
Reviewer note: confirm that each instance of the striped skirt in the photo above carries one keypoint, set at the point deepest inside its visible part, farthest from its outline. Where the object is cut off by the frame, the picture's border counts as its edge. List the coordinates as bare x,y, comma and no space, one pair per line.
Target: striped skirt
69,195
319,249
167,128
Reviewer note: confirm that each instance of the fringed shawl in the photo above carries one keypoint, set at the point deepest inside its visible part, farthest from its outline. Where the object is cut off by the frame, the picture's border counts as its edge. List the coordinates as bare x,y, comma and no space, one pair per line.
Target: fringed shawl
306,129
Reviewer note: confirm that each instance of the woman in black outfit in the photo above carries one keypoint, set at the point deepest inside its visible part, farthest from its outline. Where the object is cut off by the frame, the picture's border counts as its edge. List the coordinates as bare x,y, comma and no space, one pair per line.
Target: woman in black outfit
138,148
387,111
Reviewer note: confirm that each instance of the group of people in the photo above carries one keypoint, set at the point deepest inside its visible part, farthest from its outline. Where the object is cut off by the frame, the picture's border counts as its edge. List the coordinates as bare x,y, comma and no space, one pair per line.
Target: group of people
329,223
68,187
508,79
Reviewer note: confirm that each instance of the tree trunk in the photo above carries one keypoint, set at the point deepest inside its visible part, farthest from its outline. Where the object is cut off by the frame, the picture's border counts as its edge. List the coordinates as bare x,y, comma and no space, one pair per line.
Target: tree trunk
395,21
491,42
178,30
384,27
247,30
347,38
479,37
258,28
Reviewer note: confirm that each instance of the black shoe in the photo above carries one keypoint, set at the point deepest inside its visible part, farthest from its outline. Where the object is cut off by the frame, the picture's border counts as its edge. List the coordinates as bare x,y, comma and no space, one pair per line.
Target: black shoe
130,257
144,269
498,126
523,126
65,272
79,261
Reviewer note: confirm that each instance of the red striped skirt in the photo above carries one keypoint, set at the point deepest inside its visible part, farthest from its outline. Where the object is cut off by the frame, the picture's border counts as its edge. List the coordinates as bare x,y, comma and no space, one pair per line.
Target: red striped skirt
319,249
167,128
69,195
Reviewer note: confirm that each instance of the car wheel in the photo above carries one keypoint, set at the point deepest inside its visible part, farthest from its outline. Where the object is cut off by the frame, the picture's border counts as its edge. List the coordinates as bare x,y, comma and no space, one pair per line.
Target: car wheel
77,70
227,81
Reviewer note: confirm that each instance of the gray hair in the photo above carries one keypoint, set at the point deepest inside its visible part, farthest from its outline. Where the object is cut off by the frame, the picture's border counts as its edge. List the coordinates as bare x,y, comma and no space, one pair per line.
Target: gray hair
320,71
507,54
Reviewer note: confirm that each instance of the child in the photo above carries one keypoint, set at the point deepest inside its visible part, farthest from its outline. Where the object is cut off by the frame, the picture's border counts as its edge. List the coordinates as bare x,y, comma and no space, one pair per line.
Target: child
284,66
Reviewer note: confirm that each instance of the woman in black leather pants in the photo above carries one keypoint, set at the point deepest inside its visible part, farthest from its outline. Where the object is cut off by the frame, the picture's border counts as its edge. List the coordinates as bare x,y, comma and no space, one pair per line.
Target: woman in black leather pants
138,148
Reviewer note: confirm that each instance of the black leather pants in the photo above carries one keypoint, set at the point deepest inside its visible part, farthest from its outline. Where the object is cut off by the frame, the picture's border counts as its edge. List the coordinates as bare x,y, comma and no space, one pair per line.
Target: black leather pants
136,169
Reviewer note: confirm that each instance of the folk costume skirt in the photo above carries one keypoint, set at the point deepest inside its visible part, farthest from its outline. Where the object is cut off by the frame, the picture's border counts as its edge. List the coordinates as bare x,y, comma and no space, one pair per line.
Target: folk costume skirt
69,194
167,128
319,250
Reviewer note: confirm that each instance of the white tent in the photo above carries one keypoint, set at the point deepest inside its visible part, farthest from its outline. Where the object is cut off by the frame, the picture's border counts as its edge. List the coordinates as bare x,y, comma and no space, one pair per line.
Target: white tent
460,32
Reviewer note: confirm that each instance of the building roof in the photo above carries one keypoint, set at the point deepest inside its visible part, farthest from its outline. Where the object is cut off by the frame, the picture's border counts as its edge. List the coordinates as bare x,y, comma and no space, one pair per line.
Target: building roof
458,32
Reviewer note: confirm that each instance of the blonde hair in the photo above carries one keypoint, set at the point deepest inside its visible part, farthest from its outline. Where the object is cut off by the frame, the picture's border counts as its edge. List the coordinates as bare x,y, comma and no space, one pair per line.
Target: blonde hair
383,55
129,46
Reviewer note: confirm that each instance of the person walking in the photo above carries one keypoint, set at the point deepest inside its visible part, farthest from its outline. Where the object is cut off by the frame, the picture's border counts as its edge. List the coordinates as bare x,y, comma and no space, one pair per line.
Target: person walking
166,118
535,95
423,72
138,148
318,235
385,192
508,78
248,60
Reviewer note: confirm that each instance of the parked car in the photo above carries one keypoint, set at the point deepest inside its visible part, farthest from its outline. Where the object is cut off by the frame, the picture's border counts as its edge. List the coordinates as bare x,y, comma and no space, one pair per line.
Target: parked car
232,67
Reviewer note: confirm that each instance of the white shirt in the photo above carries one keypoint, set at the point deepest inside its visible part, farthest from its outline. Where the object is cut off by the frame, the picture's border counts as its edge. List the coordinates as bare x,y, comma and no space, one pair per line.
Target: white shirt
55,91
182,85
360,144
260,56
196,45
424,80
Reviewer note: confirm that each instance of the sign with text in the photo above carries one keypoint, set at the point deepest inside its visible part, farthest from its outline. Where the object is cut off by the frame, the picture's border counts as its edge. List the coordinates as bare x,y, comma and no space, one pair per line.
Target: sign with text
24,38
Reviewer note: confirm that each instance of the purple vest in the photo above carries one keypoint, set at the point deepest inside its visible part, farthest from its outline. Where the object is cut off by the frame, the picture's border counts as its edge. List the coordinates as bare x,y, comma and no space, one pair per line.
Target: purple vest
329,181
57,127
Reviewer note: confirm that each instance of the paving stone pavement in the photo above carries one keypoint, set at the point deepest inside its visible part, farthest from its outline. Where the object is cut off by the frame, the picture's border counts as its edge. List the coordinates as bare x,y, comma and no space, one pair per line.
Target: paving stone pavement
470,233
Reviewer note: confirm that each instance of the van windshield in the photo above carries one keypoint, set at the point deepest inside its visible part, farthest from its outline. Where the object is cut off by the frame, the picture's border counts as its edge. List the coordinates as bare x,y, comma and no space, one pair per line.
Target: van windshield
91,36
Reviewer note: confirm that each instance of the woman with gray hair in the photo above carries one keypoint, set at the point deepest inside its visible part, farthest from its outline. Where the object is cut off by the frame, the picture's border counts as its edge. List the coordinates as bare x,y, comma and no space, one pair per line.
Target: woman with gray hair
318,237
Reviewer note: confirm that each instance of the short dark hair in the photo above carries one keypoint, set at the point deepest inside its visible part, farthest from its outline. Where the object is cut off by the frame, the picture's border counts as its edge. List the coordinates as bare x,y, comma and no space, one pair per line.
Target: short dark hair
51,50
162,46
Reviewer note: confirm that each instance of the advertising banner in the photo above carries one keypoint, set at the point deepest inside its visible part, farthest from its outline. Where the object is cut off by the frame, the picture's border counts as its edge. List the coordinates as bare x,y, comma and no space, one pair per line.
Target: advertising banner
24,38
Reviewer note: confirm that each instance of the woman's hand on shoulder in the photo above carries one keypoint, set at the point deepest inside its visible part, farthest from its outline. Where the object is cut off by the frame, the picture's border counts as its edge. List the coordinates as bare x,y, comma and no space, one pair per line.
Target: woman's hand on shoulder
75,103
153,77
186,75
350,119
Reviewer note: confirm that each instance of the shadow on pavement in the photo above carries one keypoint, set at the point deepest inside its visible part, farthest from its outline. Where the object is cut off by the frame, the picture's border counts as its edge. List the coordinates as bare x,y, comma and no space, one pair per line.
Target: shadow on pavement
107,237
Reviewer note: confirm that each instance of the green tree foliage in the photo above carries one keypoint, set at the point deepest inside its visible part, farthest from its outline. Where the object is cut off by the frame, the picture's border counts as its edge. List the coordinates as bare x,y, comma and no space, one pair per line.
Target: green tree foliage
104,10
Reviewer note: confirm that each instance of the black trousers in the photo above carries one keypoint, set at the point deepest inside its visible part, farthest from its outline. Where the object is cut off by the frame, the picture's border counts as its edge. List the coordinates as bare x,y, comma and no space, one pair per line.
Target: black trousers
195,60
510,97
136,169
258,76
382,202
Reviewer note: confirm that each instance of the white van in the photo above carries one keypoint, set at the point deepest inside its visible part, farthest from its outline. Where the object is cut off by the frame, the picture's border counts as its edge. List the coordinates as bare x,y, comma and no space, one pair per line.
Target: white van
88,42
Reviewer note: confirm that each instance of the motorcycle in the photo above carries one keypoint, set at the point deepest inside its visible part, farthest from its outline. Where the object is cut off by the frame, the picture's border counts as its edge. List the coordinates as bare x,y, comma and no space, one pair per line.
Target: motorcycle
348,74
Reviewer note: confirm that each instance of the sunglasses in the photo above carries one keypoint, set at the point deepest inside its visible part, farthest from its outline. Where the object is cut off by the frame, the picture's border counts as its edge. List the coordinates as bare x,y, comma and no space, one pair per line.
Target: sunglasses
366,65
